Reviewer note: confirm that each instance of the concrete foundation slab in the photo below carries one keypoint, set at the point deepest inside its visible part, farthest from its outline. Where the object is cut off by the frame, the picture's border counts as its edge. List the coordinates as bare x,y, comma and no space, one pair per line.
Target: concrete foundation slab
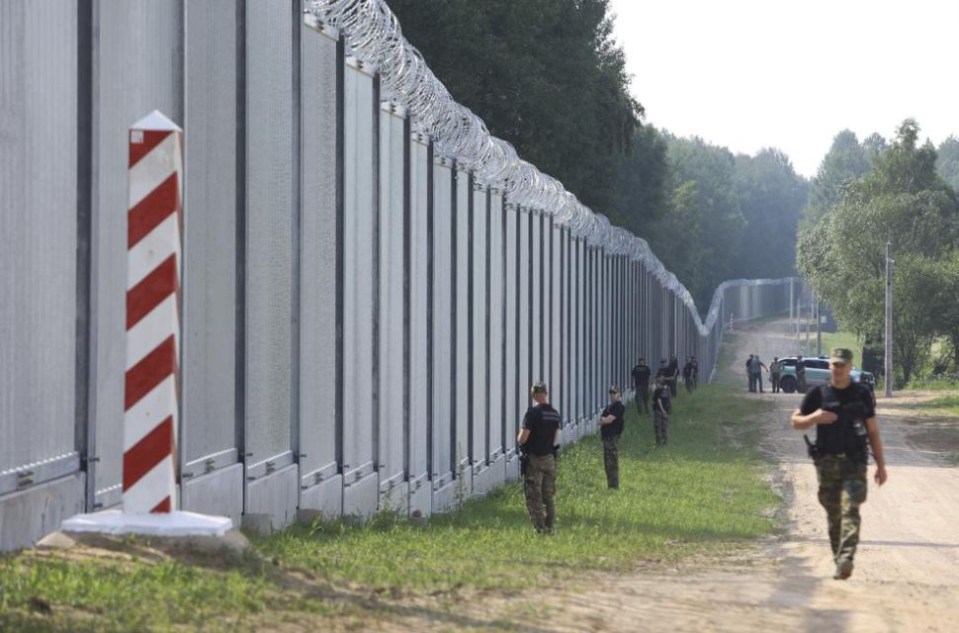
219,493
275,496
512,469
326,498
421,501
497,474
396,498
361,498
28,515
445,499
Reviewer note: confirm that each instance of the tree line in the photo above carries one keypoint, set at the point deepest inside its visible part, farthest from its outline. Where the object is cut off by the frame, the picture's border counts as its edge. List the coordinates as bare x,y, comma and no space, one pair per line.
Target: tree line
870,193
547,76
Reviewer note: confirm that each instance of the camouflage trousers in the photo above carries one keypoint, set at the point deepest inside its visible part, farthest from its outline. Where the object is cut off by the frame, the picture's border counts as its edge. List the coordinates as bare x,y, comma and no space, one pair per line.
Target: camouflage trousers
660,425
842,488
642,399
611,460
539,485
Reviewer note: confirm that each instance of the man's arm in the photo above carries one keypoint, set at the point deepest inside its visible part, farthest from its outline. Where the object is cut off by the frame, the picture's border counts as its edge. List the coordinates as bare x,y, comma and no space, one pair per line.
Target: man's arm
522,437
875,440
802,422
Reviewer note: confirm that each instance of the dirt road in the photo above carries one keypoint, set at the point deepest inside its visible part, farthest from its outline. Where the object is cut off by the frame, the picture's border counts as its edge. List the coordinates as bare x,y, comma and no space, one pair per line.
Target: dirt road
907,567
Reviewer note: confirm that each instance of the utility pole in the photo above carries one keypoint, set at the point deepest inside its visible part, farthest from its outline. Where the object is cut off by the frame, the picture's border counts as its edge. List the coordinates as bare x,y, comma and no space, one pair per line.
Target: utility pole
818,326
887,342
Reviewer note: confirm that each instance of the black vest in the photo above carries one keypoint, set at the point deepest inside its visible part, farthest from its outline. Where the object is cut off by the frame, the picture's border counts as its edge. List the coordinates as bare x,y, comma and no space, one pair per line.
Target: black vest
848,433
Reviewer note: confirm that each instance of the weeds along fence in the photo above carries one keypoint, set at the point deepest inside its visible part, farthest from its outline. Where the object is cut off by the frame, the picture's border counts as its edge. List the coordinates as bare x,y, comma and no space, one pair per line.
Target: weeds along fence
371,281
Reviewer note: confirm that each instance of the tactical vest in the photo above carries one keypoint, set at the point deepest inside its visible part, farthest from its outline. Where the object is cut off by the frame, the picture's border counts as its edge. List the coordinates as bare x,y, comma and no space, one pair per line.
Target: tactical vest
847,434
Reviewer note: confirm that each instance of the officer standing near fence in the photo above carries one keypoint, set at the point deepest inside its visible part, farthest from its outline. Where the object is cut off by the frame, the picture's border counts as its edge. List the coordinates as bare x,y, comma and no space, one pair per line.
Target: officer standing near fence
538,440
661,409
611,428
845,420
641,374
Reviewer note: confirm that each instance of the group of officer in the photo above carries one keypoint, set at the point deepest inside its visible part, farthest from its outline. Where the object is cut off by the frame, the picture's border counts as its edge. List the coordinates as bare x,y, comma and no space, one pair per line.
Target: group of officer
539,437
842,412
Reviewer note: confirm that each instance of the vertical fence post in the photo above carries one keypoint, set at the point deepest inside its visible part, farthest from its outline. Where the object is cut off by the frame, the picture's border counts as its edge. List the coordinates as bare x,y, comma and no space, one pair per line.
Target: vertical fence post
154,243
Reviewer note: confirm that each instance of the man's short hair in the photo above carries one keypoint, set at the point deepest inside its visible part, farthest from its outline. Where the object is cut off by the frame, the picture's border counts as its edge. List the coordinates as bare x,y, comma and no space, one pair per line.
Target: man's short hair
538,387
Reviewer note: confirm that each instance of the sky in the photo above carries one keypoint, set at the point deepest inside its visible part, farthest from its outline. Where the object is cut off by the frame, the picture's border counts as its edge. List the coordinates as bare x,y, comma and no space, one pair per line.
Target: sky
790,74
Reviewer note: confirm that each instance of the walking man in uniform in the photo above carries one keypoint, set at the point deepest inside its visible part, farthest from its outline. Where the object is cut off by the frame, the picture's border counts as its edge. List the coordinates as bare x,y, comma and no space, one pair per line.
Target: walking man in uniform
756,367
661,409
845,420
538,440
611,427
641,374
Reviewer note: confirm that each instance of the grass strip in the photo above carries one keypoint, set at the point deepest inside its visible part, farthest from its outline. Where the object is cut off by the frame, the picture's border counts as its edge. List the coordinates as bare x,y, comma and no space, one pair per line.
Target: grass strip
946,404
704,493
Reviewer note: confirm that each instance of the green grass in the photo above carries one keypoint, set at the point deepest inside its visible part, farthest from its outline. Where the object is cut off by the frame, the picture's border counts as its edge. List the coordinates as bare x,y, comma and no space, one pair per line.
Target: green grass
946,404
704,494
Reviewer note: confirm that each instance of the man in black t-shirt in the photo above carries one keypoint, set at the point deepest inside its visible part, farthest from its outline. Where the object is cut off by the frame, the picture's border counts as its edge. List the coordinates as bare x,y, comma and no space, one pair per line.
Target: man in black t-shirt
611,427
661,409
539,442
641,374
688,375
845,418
672,379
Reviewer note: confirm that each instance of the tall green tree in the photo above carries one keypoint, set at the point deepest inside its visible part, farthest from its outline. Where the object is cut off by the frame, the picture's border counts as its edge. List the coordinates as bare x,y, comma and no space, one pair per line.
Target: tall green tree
545,75
845,162
771,197
902,200
947,162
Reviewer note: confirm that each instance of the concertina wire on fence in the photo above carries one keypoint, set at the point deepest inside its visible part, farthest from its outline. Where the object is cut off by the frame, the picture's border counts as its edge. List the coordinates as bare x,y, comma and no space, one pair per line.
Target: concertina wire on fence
372,34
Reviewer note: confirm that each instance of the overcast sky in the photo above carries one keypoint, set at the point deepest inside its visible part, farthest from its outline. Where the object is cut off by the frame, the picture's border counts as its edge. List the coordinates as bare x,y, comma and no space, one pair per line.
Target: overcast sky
748,74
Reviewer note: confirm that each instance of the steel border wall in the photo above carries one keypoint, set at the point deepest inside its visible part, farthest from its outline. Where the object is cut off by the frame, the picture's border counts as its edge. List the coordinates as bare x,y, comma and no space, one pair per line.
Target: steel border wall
371,280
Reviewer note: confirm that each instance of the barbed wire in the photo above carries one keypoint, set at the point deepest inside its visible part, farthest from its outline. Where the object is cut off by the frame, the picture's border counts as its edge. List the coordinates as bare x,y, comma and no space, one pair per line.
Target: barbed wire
373,34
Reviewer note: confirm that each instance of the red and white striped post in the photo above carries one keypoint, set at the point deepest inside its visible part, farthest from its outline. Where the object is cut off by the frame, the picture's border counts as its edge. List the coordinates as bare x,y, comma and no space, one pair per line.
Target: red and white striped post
154,243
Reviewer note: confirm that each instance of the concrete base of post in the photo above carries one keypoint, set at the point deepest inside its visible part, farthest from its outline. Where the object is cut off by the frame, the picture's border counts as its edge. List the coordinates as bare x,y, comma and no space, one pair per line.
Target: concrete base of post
171,524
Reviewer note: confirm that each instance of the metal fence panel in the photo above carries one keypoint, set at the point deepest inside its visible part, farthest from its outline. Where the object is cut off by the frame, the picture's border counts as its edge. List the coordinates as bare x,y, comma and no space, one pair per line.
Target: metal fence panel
318,256
269,237
513,382
210,239
462,301
538,292
497,335
394,144
525,299
137,69
358,259
420,165
443,369
38,241
479,361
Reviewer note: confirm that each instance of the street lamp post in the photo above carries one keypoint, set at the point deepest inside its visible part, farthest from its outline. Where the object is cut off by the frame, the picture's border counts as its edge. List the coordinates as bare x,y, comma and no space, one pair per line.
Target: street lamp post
887,343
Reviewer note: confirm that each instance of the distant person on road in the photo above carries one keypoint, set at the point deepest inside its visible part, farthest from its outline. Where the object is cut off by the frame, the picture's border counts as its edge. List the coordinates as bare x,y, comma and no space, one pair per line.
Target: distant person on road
775,373
749,374
611,428
538,440
756,367
661,409
800,374
695,363
640,375
845,420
